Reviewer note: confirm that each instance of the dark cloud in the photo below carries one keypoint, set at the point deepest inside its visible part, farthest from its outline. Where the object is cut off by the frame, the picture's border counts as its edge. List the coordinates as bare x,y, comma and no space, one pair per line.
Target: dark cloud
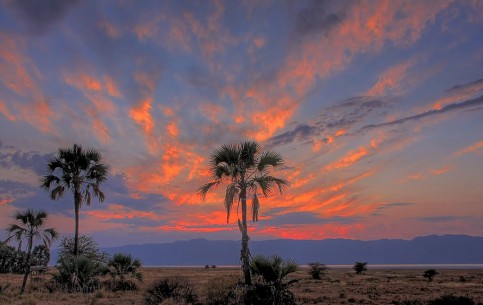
344,114
378,211
477,85
321,17
32,160
10,188
438,218
353,112
6,146
41,15
301,218
476,103
300,133
396,204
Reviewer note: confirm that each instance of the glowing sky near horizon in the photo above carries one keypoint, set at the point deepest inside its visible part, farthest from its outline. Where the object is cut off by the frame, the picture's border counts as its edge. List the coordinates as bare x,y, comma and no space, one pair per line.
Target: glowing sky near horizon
376,107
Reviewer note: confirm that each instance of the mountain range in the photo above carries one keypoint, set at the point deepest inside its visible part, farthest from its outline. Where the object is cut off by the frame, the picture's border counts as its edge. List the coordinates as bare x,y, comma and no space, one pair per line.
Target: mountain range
432,249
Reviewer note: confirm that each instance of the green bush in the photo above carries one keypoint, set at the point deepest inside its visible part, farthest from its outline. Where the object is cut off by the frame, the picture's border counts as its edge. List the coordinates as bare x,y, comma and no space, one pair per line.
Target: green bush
78,274
360,267
11,260
317,270
176,289
451,300
430,274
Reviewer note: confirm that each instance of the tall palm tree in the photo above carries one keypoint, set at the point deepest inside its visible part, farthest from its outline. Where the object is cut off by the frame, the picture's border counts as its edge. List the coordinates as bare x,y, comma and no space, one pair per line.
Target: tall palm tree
80,171
244,168
30,229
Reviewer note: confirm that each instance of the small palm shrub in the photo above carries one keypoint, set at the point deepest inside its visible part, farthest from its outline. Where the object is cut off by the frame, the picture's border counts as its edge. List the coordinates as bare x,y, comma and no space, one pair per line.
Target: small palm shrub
317,270
360,267
120,267
430,274
78,274
451,300
40,256
271,282
177,290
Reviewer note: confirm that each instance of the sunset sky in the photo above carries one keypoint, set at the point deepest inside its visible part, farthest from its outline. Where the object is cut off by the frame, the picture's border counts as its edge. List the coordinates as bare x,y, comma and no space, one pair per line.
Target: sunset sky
376,107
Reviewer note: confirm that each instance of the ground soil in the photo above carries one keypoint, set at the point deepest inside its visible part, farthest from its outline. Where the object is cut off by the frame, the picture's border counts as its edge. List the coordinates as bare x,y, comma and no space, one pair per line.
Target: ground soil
337,286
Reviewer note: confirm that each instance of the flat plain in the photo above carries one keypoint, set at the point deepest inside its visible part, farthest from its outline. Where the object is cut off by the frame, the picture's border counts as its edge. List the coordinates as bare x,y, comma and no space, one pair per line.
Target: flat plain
337,286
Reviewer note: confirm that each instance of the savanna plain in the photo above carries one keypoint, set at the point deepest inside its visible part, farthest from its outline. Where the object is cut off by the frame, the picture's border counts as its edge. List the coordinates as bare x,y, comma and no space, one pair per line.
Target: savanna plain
337,286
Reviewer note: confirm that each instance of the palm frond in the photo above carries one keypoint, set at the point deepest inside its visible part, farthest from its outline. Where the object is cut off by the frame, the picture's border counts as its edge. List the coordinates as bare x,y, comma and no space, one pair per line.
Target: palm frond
203,190
87,196
267,183
225,154
255,207
247,153
220,171
230,195
57,192
97,172
269,158
48,181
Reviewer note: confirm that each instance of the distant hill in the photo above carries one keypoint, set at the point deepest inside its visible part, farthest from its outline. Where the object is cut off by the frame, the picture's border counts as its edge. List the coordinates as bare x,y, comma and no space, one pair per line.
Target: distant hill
433,249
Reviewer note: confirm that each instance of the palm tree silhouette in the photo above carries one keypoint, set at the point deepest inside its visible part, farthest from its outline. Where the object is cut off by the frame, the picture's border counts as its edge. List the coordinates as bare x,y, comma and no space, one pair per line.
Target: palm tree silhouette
32,222
243,167
80,171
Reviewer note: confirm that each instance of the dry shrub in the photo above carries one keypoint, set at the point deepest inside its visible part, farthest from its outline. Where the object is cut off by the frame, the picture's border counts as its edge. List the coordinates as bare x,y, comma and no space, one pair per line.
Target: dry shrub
451,300
224,291
171,289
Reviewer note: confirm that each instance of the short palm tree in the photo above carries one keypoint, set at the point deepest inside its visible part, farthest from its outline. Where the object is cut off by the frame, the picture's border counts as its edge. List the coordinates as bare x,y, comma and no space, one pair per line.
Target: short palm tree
30,228
244,168
121,265
81,172
272,287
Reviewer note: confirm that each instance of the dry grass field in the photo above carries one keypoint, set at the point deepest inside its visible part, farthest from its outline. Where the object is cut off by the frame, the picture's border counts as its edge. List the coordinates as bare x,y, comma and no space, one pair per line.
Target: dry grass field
338,286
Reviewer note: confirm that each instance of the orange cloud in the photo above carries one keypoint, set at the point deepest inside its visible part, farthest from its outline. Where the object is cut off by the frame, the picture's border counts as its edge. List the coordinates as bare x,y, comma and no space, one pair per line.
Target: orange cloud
349,159
117,211
259,42
109,28
19,75
111,86
172,129
83,82
311,231
338,186
141,114
4,110
5,200
472,148
440,171
99,127
392,79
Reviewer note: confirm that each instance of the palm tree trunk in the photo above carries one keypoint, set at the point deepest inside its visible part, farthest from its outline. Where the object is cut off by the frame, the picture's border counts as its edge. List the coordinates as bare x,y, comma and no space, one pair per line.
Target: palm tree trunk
245,252
76,233
27,268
